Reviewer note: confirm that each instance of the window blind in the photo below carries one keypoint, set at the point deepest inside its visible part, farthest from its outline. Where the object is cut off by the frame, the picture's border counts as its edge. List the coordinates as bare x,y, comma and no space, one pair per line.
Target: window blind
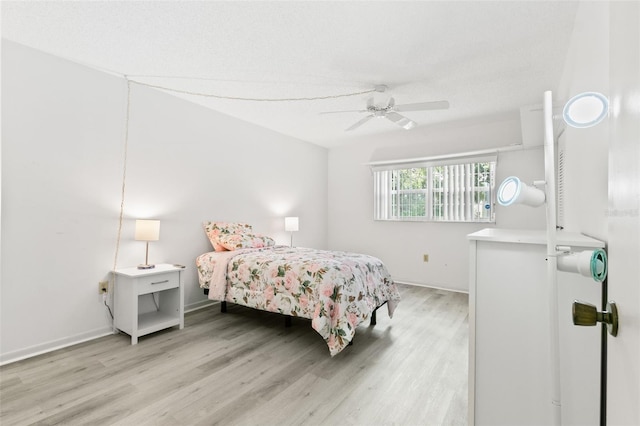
456,189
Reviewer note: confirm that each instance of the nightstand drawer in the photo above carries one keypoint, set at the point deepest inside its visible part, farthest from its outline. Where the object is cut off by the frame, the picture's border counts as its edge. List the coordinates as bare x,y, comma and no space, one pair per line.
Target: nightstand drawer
158,282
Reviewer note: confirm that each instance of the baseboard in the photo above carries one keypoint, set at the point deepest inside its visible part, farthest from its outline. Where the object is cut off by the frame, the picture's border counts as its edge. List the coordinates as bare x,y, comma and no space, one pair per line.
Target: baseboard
455,290
199,305
19,355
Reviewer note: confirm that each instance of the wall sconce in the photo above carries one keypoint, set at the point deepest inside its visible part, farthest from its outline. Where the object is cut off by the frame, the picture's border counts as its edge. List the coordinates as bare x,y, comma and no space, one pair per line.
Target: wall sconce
147,230
585,109
513,191
291,224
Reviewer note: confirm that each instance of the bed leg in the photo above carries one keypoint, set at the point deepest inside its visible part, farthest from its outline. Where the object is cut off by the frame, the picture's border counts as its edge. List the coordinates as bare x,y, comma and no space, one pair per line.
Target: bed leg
287,321
223,306
373,317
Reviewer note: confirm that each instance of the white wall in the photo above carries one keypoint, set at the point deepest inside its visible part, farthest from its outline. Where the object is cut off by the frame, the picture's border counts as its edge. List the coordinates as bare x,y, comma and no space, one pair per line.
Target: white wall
63,138
401,245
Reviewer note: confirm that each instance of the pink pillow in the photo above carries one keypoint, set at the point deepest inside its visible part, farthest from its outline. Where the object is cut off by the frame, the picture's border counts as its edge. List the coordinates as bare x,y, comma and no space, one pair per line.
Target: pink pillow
215,229
237,241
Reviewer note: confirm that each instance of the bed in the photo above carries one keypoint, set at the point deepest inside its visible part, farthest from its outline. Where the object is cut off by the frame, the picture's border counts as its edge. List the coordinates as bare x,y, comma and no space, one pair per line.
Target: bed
336,290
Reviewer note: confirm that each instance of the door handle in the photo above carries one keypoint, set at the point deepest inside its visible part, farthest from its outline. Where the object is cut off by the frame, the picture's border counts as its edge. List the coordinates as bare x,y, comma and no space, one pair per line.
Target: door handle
586,314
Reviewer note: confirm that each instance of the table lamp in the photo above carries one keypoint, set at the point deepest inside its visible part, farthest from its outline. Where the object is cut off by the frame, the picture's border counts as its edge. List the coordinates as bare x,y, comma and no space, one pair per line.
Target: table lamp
291,224
147,230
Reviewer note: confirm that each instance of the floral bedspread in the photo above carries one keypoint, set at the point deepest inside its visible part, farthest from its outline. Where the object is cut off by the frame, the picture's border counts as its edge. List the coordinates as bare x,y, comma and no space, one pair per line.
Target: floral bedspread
336,290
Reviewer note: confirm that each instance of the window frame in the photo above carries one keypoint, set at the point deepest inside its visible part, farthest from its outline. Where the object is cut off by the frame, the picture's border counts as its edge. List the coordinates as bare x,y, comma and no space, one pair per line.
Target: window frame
461,206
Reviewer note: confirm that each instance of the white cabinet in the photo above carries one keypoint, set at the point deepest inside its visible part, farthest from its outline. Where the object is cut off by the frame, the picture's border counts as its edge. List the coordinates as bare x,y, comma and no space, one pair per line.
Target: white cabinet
162,286
509,354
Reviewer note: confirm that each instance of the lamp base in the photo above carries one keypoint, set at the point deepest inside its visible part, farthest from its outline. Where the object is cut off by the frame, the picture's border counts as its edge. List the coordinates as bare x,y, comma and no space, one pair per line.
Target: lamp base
146,266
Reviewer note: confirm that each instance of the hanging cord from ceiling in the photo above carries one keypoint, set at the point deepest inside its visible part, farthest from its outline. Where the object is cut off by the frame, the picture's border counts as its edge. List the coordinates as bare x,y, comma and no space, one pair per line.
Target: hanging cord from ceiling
237,98
130,79
122,193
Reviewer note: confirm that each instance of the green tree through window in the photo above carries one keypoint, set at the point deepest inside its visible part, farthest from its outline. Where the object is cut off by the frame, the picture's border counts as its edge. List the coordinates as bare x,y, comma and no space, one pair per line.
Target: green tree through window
447,192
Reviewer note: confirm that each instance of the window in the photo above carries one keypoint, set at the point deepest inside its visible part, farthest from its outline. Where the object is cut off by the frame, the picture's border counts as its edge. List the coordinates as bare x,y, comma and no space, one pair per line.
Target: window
449,190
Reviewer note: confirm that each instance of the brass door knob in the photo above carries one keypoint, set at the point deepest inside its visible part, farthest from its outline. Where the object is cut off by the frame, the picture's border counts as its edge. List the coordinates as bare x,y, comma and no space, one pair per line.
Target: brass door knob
586,314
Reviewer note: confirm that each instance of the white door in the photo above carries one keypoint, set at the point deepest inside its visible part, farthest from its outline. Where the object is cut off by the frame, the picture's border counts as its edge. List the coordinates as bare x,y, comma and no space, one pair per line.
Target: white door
623,389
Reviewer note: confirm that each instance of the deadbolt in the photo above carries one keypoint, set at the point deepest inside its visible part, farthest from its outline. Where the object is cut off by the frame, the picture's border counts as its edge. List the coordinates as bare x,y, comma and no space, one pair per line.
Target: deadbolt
587,314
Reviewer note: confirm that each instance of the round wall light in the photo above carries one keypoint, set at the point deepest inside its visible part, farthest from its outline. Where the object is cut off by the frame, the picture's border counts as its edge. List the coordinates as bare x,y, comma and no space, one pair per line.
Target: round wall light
586,109
513,191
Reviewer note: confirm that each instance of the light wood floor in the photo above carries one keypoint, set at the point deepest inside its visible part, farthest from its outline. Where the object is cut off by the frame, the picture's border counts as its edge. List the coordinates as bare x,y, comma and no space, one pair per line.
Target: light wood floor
244,367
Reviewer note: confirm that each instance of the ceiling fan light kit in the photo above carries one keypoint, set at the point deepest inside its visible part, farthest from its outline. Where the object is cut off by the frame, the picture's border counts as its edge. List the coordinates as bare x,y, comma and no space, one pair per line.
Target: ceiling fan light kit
390,111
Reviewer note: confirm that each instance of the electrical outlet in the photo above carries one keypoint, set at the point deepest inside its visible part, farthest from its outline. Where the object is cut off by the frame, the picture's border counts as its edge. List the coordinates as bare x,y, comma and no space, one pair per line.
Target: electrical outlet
425,257
103,287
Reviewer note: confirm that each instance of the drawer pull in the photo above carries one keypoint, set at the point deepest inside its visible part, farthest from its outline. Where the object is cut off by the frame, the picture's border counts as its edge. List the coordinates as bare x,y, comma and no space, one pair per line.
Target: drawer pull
160,282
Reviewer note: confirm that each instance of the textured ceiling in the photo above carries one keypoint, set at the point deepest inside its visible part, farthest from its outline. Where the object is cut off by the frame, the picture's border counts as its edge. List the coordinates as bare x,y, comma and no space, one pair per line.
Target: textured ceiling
485,58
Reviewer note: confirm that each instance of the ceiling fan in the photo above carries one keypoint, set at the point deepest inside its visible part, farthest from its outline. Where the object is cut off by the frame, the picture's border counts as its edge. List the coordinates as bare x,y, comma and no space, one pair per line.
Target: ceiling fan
390,111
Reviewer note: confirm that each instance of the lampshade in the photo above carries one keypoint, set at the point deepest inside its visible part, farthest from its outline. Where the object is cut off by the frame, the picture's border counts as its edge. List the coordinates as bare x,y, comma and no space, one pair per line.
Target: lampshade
291,224
586,109
147,230
513,191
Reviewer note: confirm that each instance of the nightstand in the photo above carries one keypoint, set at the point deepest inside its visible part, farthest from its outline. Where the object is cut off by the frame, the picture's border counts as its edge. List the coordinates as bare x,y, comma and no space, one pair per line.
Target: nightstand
162,283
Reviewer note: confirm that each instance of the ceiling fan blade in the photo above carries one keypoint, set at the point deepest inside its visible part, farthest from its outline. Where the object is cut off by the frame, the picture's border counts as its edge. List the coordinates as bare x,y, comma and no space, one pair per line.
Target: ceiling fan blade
400,120
422,106
370,103
338,112
360,123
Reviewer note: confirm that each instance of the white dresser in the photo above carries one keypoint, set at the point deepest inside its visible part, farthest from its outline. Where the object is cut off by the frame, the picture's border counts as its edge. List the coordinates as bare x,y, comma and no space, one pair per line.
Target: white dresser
509,355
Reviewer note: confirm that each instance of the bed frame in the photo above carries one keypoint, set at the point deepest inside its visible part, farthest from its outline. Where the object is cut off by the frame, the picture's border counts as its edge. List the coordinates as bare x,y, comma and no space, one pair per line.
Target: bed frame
287,318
